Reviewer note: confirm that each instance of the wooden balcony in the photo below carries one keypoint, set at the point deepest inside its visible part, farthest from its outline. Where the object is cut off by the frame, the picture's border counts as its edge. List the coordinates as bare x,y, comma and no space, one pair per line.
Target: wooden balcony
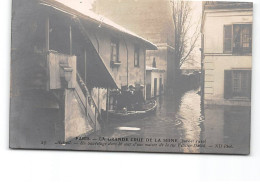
62,70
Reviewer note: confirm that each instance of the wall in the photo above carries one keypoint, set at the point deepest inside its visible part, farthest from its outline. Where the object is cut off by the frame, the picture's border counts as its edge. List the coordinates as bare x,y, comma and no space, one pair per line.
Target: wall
214,72
76,123
164,58
213,27
215,61
151,75
136,75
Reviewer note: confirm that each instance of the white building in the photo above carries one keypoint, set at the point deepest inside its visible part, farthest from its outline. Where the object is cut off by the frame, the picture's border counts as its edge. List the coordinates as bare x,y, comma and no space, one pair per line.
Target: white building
227,52
154,82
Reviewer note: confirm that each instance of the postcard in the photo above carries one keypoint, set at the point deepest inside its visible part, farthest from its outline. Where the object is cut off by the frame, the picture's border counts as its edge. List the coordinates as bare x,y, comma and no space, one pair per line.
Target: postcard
131,76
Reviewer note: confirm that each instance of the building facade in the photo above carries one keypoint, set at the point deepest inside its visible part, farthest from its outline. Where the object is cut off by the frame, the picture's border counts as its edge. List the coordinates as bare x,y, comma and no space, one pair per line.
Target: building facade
227,52
151,19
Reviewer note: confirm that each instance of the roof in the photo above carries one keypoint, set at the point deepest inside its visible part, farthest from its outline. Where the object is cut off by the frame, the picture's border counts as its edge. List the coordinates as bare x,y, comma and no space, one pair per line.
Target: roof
209,5
99,20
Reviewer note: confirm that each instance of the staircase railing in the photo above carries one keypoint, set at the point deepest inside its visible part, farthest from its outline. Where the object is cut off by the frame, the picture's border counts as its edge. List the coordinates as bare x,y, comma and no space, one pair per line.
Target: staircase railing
89,99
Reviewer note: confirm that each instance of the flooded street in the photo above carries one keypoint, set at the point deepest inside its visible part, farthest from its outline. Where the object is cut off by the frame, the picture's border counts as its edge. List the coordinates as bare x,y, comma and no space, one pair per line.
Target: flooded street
182,118
214,129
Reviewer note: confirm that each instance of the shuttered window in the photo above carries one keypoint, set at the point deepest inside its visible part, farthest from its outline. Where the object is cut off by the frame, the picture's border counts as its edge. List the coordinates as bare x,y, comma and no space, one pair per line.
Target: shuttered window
238,39
237,83
114,50
242,36
227,38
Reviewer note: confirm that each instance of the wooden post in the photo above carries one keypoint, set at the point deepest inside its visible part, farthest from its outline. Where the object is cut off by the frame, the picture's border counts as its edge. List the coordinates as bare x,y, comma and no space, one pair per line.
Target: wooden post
47,47
47,32
107,106
144,92
95,128
85,77
85,65
127,64
98,100
70,41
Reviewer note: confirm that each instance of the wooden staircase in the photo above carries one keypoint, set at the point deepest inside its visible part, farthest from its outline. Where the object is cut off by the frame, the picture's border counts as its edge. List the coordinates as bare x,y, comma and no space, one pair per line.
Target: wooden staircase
66,83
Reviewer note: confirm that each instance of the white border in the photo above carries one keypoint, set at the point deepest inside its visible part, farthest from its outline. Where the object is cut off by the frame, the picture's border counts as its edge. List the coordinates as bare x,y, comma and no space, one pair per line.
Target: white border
95,167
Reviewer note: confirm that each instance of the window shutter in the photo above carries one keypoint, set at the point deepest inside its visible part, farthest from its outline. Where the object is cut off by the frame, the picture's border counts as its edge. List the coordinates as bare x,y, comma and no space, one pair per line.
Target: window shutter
228,84
227,38
250,82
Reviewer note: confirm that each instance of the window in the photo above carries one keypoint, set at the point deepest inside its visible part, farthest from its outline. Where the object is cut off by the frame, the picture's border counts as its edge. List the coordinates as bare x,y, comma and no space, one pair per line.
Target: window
238,38
154,62
240,83
228,38
136,57
237,83
114,51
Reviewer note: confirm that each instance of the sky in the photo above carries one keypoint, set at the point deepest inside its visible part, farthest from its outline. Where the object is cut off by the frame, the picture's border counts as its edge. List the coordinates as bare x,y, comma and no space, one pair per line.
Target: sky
196,16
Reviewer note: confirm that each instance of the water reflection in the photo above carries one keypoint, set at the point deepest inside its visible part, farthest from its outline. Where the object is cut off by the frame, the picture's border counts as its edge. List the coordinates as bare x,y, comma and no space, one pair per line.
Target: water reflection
189,119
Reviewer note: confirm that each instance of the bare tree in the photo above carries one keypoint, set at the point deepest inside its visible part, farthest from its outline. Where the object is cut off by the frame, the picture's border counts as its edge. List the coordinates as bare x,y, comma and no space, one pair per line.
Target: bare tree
186,31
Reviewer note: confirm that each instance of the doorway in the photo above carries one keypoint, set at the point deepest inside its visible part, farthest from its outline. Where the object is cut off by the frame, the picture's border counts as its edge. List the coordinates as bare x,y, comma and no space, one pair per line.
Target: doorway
155,87
160,86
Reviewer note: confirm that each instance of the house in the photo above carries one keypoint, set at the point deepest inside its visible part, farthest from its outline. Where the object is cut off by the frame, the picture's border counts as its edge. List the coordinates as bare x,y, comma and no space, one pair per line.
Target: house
151,19
227,52
154,82
64,64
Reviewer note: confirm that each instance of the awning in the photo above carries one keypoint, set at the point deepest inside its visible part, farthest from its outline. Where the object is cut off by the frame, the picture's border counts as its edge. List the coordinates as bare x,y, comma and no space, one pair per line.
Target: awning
97,73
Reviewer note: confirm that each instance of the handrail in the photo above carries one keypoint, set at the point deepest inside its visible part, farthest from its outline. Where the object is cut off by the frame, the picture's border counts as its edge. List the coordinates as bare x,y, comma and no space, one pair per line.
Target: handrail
85,108
87,93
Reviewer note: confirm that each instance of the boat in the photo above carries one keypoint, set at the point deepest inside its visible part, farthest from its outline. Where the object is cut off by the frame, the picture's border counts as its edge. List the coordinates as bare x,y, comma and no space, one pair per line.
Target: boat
125,116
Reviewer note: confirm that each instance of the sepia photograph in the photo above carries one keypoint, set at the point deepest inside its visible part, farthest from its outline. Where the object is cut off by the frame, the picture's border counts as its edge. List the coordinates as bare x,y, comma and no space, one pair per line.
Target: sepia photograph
158,76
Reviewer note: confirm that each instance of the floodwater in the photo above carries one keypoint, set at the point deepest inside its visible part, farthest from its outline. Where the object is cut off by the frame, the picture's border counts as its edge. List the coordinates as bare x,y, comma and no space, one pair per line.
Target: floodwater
213,129
219,129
